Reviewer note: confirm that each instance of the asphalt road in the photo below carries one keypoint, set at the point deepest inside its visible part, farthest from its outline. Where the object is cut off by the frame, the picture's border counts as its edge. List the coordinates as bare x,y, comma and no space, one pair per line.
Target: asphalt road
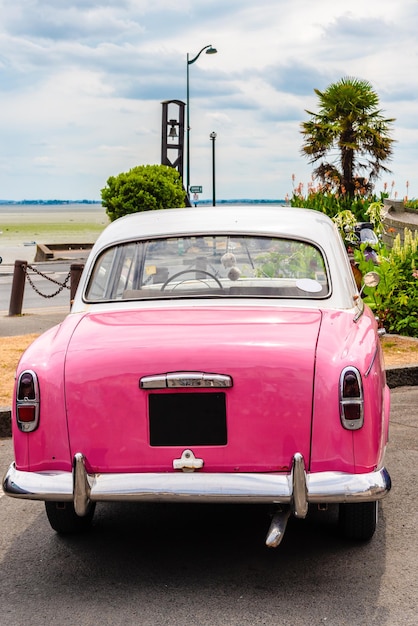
204,565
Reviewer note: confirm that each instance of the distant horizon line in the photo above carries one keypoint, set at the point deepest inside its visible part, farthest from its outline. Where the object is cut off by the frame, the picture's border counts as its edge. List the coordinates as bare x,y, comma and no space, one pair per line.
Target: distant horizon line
41,201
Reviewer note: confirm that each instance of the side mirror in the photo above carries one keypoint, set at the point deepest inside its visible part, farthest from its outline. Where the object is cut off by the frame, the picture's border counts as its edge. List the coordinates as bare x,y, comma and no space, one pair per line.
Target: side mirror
371,279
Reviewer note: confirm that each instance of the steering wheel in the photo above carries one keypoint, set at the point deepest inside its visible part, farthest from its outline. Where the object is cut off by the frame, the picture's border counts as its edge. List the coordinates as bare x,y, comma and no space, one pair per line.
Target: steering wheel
209,274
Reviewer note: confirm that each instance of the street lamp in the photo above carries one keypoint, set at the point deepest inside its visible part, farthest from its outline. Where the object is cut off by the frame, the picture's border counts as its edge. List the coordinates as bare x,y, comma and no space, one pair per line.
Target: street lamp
212,138
209,50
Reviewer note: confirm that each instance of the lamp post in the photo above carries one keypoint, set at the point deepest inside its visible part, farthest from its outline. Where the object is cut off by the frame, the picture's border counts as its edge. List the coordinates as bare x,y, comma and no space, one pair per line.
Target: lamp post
209,50
212,138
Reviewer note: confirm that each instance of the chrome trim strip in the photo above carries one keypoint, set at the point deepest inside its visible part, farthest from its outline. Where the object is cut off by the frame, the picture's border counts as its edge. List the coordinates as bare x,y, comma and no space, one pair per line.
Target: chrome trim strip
176,380
369,369
360,309
196,487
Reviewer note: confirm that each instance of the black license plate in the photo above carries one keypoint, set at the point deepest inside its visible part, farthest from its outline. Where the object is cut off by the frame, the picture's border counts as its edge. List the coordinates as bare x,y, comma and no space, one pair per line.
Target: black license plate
187,419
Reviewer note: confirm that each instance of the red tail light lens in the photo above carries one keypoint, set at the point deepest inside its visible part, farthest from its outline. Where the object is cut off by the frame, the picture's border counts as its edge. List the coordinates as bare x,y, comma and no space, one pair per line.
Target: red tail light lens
26,413
351,399
27,401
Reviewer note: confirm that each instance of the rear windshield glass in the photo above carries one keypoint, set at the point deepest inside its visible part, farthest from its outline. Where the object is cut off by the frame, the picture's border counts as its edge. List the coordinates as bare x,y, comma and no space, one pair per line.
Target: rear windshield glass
209,266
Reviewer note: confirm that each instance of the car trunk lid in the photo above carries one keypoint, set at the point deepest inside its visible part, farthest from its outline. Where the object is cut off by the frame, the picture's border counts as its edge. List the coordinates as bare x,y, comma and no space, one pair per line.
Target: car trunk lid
254,423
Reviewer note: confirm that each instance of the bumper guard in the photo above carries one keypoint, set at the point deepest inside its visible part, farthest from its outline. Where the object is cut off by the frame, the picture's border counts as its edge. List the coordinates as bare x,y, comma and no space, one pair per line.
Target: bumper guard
297,489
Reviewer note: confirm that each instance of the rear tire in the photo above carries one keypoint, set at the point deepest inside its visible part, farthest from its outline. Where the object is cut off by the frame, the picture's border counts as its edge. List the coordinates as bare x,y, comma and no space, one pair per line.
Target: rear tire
64,520
358,521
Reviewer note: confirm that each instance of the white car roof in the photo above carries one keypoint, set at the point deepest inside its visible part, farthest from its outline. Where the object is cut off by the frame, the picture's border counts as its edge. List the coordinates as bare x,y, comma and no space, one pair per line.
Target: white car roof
255,219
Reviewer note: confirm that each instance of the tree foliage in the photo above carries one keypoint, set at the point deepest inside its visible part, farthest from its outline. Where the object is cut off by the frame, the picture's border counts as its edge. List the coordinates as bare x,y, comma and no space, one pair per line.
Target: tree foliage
143,188
348,137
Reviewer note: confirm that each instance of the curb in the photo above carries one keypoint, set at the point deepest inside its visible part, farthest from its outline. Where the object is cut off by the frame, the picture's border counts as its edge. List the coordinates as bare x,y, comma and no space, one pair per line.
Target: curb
401,376
396,376
5,423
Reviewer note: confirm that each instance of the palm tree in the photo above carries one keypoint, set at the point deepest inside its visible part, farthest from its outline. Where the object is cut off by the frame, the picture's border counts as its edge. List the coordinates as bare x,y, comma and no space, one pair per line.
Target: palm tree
350,131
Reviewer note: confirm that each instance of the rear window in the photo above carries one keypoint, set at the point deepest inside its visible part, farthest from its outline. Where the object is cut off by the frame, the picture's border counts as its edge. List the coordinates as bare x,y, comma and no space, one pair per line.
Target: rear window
209,266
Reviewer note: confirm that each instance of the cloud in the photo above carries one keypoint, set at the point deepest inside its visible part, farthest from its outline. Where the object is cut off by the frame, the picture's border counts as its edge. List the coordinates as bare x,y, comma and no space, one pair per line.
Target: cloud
81,86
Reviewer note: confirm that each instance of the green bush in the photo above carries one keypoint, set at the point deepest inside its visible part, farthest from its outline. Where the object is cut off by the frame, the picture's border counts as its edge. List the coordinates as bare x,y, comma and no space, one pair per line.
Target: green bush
332,204
411,204
143,188
394,300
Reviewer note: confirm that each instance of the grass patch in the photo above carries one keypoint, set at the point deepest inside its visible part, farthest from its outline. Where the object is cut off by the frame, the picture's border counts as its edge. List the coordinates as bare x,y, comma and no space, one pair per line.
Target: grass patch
45,231
11,349
399,350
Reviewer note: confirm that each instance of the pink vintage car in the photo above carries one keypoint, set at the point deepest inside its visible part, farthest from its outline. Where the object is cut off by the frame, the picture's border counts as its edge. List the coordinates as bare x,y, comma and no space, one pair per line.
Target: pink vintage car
211,355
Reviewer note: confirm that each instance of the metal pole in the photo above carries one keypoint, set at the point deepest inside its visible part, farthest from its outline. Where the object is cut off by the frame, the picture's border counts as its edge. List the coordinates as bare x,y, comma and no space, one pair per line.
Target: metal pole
187,130
213,137
209,50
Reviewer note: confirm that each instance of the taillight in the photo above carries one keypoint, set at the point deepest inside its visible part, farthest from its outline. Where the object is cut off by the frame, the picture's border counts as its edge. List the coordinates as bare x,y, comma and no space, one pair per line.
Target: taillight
351,399
27,401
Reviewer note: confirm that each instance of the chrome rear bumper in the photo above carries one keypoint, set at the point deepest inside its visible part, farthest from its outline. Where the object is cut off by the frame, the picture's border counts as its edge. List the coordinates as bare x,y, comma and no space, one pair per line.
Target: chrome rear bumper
297,489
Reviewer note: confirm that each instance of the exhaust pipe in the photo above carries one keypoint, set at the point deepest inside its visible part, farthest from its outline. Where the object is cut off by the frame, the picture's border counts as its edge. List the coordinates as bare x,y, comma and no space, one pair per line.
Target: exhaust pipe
277,527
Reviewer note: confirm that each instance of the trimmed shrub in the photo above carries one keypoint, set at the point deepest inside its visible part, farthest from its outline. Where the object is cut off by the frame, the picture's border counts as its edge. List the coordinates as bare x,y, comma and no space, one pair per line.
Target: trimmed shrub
143,188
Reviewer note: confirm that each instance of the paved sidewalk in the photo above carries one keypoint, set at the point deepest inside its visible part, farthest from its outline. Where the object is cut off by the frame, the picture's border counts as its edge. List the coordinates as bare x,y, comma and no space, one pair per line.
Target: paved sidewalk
31,321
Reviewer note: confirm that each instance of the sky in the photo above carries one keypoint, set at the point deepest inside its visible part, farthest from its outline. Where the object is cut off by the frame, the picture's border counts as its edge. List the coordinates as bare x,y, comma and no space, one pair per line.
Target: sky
82,84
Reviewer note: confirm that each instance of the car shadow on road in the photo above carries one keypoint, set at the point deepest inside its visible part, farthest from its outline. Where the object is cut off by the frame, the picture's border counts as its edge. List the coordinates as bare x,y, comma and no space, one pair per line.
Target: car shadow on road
180,556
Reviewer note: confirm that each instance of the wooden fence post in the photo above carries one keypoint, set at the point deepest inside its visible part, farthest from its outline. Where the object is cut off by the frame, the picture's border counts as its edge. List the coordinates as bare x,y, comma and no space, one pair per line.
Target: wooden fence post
18,288
76,269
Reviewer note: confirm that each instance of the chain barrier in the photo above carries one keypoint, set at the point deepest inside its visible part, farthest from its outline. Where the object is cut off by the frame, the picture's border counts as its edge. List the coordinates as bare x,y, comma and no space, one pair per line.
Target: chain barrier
62,286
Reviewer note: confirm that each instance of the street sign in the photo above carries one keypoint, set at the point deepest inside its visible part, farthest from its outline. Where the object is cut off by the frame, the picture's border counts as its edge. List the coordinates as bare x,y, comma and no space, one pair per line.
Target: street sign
196,189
